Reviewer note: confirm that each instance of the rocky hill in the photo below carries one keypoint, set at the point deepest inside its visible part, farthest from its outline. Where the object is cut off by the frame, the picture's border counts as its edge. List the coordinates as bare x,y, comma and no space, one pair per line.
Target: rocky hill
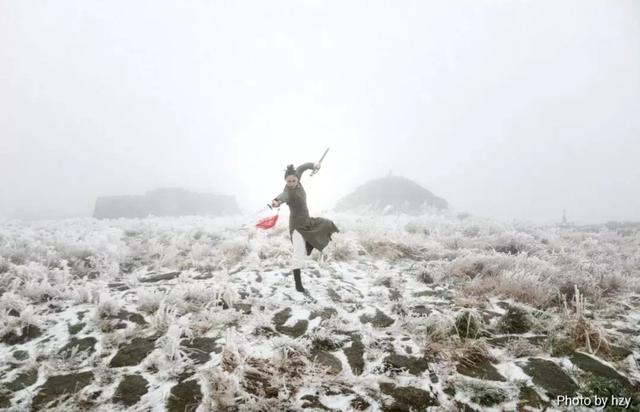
391,194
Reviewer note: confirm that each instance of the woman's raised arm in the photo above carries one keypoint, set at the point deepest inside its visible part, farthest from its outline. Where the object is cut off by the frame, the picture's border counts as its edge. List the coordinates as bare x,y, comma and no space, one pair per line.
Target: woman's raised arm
305,166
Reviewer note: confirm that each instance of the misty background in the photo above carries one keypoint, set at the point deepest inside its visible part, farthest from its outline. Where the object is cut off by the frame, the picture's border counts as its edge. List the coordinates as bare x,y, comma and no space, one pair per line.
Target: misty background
507,109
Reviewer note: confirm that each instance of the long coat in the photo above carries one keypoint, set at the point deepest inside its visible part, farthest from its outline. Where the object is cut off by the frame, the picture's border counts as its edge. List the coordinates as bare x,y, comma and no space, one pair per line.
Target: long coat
316,231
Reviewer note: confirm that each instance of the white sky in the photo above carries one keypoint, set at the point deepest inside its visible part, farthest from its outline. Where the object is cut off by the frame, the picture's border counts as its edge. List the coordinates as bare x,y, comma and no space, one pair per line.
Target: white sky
507,109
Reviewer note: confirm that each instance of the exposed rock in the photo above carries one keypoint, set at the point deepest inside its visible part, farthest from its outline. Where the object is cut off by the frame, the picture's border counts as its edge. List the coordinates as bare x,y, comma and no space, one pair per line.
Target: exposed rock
245,308
329,361
379,320
160,278
74,329
427,292
325,344
618,353
487,395
550,377
24,380
119,287
502,341
325,313
130,390
83,345
199,349
529,398
597,367
5,400
333,295
21,355
481,370
133,353
355,355
312,401
60,386
281,317
27,333
185,396
408,398
420,311
297,330
415,366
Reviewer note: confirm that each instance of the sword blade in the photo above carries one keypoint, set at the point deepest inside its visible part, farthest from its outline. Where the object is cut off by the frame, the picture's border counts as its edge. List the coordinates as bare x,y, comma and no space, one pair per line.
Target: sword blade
325,153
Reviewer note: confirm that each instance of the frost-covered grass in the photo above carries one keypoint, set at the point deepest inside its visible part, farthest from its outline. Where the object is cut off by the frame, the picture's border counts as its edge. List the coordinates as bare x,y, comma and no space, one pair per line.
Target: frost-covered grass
435,286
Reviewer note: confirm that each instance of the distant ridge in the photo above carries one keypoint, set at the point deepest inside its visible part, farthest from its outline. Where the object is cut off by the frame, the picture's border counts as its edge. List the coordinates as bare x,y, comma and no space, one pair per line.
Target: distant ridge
164,202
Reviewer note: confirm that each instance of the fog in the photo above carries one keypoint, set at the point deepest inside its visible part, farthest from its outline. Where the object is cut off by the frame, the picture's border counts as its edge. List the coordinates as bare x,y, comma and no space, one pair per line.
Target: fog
507,109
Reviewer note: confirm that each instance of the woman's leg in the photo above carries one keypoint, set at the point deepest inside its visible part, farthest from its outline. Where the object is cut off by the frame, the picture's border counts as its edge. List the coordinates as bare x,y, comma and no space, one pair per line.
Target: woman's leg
297,262
299,250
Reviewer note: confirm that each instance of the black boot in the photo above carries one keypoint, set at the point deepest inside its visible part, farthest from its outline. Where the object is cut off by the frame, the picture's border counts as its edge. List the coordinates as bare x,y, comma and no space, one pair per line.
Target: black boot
296,277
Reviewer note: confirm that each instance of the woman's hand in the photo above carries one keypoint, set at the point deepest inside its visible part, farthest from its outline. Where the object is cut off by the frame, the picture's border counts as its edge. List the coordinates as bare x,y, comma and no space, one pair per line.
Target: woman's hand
275,203
316,167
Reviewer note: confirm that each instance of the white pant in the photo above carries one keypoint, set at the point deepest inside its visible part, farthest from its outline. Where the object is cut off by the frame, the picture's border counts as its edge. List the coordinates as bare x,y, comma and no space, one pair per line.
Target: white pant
299,250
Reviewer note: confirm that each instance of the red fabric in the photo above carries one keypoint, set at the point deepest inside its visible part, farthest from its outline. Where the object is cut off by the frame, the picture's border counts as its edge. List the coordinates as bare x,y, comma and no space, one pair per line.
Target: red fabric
267,222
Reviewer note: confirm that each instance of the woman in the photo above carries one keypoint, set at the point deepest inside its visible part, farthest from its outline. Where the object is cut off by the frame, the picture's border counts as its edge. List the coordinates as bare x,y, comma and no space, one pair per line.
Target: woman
306,232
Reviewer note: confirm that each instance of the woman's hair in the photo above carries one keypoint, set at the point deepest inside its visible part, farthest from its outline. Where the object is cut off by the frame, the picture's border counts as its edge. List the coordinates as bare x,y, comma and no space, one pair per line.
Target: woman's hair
290,171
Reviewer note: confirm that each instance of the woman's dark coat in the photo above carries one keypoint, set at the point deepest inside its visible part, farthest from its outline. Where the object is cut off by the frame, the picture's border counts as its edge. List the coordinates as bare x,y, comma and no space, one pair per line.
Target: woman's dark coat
316,231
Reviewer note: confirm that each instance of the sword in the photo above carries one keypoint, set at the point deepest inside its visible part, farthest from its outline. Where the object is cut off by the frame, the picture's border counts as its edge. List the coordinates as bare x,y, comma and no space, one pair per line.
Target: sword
320,161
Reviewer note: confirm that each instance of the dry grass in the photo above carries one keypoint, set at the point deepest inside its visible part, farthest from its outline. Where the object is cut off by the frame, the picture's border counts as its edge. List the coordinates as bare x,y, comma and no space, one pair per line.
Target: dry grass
520,288
390,250
582,333
471,353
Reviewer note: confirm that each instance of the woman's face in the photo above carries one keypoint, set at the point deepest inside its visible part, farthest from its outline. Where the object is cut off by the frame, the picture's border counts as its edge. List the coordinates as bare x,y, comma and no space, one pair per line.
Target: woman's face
292,181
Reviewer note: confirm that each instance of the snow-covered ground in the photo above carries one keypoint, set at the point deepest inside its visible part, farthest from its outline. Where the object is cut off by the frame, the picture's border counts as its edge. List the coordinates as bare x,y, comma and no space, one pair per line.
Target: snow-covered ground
434,312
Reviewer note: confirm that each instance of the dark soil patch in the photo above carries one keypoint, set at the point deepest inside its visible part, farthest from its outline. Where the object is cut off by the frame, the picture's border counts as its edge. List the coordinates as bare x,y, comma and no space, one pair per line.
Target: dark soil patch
27,333
415,366
133,353
355,355
60,386
130,390
185,396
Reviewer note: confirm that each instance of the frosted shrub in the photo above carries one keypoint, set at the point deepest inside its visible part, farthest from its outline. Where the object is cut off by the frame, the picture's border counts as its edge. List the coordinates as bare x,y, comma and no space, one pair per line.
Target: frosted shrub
429,272
11,301
107,306
213,318
79,294
4,265
16,324
190,296
416,227
517,284
582,332
234,251
39,290
149,300
514,243
170,359
164,317
474,265
221,389
388,250
343,247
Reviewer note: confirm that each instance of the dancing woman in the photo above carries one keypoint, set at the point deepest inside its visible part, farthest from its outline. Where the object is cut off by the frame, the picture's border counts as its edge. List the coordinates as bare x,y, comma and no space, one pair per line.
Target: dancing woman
306,232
